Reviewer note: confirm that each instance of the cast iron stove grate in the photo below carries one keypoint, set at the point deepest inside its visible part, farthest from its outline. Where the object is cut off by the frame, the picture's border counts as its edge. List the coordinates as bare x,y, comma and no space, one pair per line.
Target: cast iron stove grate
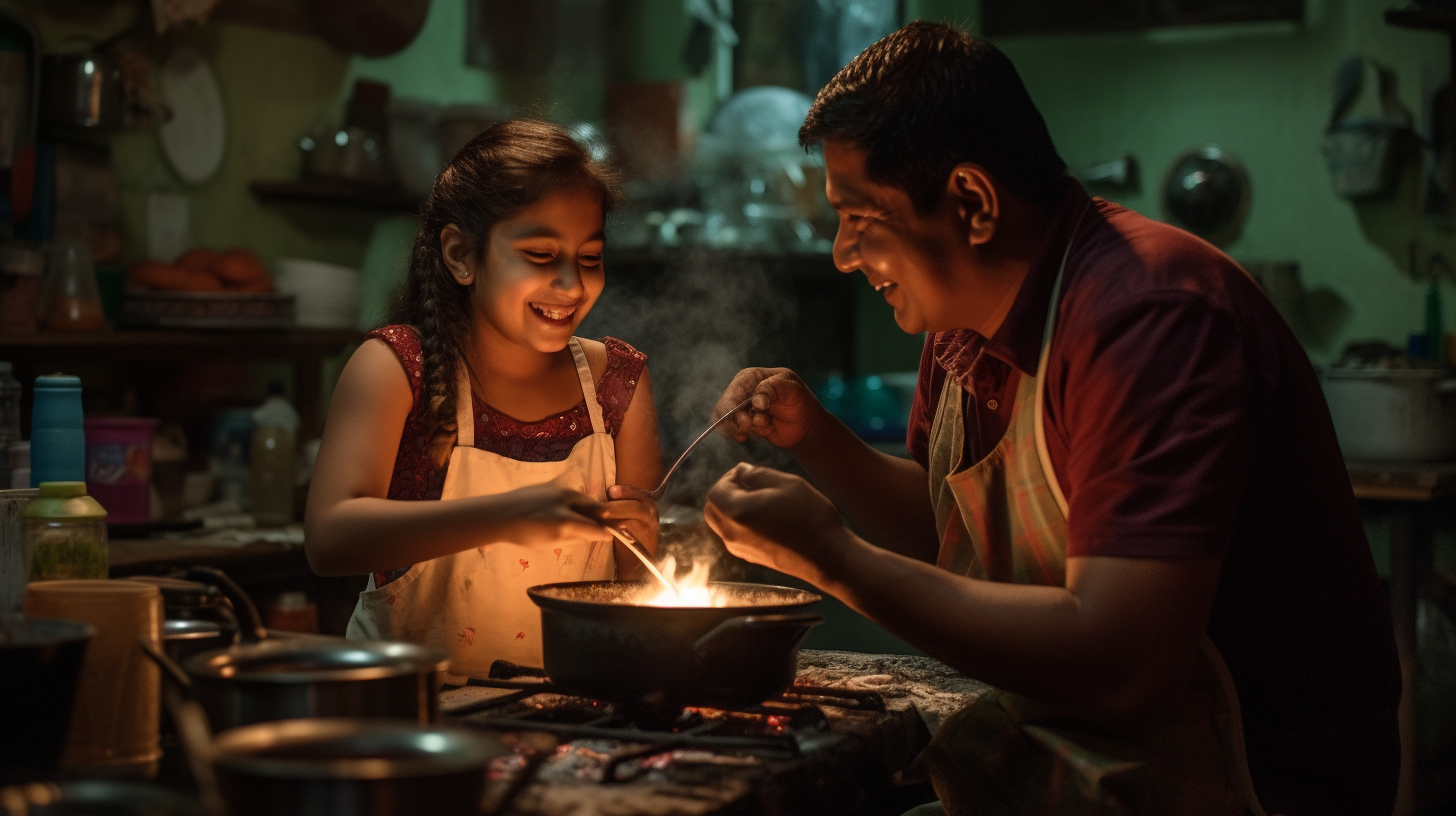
773,725
814,749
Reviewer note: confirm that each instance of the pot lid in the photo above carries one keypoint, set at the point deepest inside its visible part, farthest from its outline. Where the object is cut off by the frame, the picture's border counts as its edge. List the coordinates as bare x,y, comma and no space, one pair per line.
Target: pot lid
352,748
316,659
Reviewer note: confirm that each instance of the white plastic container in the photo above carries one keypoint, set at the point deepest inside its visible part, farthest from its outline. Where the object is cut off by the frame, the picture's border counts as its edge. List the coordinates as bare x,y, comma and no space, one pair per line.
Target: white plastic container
326,296
1392,414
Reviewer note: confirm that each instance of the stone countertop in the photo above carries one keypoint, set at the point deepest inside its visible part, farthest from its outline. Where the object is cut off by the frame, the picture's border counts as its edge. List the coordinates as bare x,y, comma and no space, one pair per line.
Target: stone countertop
933,688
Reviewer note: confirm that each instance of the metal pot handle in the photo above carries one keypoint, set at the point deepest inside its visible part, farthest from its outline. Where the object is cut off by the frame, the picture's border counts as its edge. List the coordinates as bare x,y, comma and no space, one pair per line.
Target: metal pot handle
794,625
193,730
250,628
168,666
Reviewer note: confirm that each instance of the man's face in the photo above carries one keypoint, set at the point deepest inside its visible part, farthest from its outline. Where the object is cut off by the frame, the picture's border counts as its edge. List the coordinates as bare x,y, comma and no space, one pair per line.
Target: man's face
912,260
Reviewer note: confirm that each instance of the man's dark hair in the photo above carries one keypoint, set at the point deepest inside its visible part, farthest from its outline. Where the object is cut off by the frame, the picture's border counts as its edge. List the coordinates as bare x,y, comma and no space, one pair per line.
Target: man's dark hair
929,97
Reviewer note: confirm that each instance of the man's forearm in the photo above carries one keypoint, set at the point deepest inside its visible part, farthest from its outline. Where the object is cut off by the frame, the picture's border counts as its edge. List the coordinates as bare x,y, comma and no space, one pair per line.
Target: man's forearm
887,497
1047,642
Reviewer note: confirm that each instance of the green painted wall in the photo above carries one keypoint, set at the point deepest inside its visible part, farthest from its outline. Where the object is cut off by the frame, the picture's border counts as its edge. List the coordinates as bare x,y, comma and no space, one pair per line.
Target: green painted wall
1263,93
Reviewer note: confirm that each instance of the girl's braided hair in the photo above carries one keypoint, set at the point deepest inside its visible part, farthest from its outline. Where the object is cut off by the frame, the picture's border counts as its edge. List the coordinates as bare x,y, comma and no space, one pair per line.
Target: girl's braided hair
509,166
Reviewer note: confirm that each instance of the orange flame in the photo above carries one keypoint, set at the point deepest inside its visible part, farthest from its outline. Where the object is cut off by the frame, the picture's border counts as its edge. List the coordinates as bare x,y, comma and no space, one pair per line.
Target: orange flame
689,590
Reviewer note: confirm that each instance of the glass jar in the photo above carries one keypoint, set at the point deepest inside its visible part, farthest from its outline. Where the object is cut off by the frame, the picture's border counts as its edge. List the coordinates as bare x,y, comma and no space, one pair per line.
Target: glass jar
70,300
65,534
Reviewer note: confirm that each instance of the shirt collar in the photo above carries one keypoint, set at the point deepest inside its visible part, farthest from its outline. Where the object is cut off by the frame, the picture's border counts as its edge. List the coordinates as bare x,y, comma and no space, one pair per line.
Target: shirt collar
1018,340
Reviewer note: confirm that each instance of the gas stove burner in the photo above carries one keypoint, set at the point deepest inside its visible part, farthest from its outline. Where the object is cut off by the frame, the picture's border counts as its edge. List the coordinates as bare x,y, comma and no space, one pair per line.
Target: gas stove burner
774,725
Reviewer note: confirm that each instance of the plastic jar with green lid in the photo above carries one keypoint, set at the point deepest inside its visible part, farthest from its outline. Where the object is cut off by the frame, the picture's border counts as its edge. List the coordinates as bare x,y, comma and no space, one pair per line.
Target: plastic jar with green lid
65,533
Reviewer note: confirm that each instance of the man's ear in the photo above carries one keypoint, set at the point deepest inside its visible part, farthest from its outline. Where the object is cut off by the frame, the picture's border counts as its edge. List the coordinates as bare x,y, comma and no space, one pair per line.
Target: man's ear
978,206
456,251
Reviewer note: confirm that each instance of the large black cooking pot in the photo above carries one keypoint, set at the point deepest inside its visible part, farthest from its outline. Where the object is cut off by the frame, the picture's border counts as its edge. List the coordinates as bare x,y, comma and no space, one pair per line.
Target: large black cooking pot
40,662
599,639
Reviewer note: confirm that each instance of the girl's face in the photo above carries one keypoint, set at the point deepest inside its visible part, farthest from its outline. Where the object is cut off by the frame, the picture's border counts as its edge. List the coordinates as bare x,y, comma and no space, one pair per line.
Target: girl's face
542,270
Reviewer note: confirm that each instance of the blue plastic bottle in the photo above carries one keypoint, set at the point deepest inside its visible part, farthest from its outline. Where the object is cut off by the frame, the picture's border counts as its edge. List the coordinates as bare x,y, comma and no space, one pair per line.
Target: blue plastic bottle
57,431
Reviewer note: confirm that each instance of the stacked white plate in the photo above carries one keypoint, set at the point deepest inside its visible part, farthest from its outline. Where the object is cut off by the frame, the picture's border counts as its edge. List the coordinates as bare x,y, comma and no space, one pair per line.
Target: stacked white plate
326,296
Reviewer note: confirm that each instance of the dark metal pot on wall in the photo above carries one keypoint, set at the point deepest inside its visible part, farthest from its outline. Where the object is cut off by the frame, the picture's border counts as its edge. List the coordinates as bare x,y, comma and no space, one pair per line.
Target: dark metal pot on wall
80,92
597,639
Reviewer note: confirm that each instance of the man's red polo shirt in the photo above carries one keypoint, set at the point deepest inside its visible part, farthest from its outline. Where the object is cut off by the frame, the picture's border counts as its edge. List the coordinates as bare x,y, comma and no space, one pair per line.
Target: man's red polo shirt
1184,419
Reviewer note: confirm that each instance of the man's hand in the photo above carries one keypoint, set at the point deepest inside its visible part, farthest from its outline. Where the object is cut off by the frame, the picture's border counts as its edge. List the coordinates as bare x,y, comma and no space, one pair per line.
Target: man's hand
782,411
545,514
771,518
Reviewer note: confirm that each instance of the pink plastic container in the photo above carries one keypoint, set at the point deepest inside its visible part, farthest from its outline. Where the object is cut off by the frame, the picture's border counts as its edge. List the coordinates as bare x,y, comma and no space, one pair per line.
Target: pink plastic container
119,467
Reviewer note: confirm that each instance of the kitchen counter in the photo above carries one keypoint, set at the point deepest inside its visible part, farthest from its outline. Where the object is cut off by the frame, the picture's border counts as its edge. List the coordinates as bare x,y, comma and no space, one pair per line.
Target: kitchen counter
266,567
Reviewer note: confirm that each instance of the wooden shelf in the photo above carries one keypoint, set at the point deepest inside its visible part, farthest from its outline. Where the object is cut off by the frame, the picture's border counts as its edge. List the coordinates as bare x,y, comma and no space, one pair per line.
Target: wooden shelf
803,265
1395,481
1428,19
249,342
336,193
164,349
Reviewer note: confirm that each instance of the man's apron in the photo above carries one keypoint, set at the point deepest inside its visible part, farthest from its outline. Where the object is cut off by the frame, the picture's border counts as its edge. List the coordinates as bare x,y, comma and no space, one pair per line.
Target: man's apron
473,603
1004,519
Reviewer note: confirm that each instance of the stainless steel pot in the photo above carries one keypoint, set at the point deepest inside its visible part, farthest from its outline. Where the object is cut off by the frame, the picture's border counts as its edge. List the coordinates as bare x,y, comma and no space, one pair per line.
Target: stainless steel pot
270,678
1392,414
280,679
346,767
183,638
97,797
599,641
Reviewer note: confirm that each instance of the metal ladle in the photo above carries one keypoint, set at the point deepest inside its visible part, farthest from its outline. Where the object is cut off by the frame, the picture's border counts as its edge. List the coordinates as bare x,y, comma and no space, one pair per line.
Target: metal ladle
627,538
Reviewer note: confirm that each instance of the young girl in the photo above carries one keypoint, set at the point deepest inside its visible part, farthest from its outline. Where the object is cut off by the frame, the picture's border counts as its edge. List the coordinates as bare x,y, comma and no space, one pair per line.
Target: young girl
469,448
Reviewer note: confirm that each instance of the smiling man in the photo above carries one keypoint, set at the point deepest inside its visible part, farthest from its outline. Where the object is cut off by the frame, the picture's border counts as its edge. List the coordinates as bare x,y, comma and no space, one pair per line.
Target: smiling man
1124,505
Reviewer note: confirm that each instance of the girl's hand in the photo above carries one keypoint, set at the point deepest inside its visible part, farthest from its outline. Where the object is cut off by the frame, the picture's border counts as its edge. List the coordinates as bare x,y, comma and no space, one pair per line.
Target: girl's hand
631,509
545,514
782,409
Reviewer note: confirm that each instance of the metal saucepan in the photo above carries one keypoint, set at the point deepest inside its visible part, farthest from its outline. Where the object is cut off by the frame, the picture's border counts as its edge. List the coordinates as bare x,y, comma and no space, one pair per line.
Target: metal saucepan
599,640
40,662
97,797
350,767
265,678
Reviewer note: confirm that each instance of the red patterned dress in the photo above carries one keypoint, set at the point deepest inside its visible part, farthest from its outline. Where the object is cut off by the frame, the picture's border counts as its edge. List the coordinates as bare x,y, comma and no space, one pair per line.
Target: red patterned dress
416,475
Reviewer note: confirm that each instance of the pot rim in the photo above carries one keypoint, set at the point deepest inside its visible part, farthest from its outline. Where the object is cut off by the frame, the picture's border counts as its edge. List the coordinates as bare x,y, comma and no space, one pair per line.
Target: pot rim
190,629
1342,372
543,597
44,632
451,750
402,659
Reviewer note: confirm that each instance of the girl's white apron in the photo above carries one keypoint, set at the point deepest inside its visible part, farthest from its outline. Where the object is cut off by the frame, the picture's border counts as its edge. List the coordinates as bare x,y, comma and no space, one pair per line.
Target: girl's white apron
473,603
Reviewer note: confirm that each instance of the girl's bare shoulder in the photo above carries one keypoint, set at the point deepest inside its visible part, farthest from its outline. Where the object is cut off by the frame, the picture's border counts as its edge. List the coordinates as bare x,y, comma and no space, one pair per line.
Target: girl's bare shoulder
375,371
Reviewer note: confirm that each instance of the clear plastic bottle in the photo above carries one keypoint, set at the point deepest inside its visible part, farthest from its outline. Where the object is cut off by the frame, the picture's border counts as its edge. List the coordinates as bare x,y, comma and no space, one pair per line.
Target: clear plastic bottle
9,420
273,460
65,534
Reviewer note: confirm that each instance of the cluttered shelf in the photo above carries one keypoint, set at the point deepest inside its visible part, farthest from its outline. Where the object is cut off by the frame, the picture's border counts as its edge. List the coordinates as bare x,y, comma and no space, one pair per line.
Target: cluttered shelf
336,193
1432,19
243,342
